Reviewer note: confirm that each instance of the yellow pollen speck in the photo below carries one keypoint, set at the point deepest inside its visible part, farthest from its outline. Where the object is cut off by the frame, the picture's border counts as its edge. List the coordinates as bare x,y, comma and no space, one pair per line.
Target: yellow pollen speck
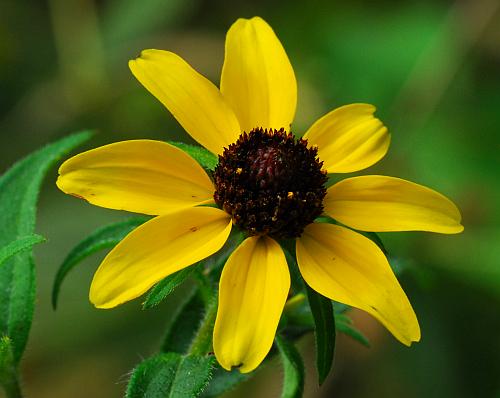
239,170
289,195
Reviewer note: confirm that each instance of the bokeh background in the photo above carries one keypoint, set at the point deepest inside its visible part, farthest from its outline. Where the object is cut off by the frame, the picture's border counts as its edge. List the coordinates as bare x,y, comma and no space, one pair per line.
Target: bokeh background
432,67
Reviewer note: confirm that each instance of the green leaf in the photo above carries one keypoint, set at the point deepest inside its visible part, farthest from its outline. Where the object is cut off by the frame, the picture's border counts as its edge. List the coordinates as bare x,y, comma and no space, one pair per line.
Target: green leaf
19,246
166,286
293,384
183,324
6,360
19,188
204,157
171,375
223,381
104,237
324,321
8,369
344,325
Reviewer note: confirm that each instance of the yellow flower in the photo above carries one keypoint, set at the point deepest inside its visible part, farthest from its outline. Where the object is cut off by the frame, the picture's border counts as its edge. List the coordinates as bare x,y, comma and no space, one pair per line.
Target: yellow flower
267,183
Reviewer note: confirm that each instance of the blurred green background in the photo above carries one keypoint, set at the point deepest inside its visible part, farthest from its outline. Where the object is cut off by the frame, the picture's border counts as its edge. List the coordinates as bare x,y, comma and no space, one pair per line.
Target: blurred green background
431,67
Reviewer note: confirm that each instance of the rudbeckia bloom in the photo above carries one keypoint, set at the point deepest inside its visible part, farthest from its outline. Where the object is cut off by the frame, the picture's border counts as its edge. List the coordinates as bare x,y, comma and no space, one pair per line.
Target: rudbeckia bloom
267,183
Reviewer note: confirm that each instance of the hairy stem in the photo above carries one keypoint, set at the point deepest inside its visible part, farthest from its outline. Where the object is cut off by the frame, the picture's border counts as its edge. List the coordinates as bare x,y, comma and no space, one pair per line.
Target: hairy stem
202,342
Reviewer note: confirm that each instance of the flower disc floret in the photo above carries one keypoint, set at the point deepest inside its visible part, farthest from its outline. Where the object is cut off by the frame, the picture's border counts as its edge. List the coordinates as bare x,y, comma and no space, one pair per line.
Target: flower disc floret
270,183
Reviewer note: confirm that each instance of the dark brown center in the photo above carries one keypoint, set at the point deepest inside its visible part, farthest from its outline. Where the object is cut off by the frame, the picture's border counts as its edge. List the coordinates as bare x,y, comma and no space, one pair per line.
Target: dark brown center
270,183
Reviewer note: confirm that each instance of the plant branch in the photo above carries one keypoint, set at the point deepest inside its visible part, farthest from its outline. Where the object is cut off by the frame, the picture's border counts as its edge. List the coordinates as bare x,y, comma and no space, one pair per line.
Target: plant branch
202,341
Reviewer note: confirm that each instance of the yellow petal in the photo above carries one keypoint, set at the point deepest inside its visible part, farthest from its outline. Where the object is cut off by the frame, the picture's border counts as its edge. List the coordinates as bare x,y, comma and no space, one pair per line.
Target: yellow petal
253,289
156,249
349,138
257,77
143,176
379,204
194,101
347,267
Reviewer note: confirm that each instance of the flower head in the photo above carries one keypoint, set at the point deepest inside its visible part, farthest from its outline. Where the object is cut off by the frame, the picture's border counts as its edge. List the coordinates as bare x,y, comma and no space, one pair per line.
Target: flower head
268,183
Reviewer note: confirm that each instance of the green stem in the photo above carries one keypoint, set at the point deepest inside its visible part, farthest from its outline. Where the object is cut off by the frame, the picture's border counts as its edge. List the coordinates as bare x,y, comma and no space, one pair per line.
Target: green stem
202,342
204,286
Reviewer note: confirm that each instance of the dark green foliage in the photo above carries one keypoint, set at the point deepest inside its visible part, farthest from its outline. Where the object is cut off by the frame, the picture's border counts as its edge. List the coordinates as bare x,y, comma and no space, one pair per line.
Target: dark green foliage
204,157
170,375
105,237
166,286
19,188
324,321
293,383
6,360
183,324
223,381
202,342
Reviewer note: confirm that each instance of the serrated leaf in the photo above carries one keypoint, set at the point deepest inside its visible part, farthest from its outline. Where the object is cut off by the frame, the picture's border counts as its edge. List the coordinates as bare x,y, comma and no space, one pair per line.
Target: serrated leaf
293,383
183,324
166,286
324,321
170,375
204,157
19,246
19,188
104,237
344,325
